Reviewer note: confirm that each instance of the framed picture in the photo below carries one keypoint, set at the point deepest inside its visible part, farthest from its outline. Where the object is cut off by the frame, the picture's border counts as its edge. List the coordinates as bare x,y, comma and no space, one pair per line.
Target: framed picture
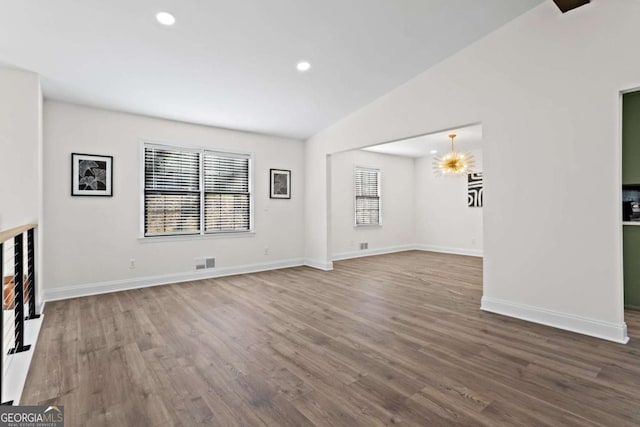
474,190
91,175
280,184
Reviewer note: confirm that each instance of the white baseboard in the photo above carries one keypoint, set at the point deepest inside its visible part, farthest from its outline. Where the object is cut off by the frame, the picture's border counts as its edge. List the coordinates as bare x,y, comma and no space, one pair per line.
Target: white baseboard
370,252
67,292
446,250
318,264
144,282
402,248
595,328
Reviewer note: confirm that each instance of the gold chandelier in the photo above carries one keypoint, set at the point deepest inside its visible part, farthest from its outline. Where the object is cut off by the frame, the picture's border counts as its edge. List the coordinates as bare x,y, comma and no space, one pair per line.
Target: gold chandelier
453,163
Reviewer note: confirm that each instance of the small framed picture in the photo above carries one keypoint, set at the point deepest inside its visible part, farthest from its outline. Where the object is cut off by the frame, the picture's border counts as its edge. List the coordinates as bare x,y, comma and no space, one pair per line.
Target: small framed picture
91,175
280,187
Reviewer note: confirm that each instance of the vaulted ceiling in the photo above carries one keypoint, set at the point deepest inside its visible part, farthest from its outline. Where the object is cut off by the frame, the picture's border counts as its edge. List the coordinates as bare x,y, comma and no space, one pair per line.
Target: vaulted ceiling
467,138
233,63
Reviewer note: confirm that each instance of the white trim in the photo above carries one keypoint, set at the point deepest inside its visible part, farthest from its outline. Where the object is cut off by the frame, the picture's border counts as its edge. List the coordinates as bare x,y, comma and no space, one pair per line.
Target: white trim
141,184
178,237
166,279
619,286
582,325
252,196
318,264
446,250
370,252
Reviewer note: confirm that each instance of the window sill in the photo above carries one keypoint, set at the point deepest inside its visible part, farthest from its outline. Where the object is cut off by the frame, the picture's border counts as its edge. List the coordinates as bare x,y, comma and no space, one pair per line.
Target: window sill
367,226
195,237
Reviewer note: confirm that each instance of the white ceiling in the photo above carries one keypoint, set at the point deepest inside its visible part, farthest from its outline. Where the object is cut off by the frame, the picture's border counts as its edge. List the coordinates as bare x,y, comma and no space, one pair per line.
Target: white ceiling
467,138
232,63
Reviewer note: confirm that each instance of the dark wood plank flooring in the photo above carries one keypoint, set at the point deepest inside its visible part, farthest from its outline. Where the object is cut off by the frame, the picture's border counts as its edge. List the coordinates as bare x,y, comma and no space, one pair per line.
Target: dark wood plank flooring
395,339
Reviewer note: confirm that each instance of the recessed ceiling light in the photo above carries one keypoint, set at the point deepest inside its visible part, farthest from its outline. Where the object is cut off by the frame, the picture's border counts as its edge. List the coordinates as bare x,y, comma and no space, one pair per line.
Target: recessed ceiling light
433,151
303,66
165,18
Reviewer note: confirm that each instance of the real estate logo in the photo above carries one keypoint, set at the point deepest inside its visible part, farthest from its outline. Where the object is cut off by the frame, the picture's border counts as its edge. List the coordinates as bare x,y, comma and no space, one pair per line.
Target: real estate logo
31,416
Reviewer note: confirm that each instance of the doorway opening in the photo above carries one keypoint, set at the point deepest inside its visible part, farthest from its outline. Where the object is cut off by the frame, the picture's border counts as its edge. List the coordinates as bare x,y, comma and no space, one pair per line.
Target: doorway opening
631,205
387,197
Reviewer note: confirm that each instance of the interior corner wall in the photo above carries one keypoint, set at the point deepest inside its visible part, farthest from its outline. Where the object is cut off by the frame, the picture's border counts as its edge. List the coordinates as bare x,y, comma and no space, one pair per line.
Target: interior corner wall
316,208
91,240
443,220
20,145
397,231
546,89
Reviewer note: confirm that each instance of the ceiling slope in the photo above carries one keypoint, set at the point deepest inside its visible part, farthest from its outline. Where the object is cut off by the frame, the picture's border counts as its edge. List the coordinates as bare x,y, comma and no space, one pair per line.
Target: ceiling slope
232,63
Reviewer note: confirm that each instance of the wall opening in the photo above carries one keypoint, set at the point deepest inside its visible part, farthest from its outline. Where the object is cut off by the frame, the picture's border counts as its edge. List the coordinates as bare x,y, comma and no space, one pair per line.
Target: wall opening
419,210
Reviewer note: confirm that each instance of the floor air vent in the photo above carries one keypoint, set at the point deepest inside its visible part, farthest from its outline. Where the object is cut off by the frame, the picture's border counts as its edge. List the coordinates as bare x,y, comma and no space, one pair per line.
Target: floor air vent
203,263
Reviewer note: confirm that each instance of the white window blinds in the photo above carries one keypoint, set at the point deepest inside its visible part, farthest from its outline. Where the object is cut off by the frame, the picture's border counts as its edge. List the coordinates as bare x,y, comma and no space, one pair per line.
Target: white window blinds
195,191
367,182
171,191
227,198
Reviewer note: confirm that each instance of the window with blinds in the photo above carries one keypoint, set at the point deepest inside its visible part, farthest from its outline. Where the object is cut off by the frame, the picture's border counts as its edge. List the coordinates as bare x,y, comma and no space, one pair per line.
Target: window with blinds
367,182
195,191
226,188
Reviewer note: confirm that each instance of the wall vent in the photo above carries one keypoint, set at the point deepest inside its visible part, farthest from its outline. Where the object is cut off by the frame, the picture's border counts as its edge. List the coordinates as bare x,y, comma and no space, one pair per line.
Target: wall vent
364,245
203,263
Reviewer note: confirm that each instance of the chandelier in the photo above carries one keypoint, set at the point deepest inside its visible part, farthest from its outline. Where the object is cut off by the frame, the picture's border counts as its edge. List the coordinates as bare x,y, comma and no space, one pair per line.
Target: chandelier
453,163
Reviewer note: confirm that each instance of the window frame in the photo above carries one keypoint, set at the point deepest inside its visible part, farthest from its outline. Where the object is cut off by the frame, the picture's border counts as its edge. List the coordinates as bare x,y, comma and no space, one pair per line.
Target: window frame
201,233
355,196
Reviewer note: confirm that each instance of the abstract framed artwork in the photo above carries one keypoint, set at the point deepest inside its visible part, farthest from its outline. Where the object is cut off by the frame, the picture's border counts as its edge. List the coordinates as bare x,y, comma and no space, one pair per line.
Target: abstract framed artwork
280,184
91,175
474,190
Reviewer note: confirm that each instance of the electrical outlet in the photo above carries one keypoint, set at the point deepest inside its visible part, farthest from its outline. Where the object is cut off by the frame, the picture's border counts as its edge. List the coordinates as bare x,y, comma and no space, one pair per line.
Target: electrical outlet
132,263
266,251
473,242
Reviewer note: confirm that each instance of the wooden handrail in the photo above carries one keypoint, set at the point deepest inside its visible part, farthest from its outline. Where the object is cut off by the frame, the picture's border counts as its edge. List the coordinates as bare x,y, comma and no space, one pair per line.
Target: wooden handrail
13,232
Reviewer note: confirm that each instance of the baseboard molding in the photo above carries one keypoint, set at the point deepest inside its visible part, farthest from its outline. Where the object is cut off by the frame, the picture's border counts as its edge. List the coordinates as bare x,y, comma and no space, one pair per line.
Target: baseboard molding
402,248
371,252
595,328
447,250
318,264
145,282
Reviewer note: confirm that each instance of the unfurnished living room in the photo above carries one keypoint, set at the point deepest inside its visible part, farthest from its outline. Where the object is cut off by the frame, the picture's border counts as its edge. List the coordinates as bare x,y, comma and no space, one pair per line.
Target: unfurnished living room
320,213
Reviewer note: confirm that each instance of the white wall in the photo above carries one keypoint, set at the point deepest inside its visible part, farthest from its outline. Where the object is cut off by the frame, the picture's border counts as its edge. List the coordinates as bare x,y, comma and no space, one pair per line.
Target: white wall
546,89
20,145
397,190
443,220
20,200
90,240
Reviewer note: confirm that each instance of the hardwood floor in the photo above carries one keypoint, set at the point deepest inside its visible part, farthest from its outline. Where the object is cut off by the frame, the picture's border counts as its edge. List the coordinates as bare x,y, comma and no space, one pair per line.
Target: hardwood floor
387,340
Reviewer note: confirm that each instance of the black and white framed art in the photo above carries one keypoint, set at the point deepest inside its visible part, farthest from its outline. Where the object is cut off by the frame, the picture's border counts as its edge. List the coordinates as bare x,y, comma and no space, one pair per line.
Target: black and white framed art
91,175
474,190
280,184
